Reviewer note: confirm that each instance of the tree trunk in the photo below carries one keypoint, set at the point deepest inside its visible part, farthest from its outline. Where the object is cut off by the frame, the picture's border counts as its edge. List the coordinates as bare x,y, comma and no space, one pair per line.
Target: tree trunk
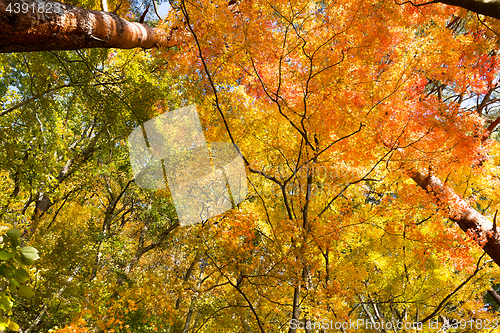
48,25
295,308
459,211
195,297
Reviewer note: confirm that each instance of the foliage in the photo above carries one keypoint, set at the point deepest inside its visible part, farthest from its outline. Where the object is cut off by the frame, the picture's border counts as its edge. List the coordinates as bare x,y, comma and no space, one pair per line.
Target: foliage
333,104
14,261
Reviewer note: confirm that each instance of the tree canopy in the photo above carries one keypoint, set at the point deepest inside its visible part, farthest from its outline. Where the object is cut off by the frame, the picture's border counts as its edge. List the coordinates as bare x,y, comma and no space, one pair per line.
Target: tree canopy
368,130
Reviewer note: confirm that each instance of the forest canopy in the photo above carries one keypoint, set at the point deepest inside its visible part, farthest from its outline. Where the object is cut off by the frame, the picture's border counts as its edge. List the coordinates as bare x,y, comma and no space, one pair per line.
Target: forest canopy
367,131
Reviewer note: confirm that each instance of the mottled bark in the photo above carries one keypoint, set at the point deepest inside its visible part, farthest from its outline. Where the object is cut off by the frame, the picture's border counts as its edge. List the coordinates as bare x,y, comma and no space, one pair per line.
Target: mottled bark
459,211
48,25
489,8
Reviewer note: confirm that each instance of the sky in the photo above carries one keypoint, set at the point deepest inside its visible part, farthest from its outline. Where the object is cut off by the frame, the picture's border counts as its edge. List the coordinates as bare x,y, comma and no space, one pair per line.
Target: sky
163,9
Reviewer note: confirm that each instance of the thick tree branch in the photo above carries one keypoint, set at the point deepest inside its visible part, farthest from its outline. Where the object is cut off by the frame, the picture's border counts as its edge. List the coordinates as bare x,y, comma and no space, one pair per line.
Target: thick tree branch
493,125
492,292
48,25
459,211
489,8
486,100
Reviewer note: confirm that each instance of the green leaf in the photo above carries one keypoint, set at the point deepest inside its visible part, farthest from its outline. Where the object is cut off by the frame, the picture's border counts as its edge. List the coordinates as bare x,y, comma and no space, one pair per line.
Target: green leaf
14,283
6,302
7,273
26,291
15,241
5,255
21,275
14,233
29,255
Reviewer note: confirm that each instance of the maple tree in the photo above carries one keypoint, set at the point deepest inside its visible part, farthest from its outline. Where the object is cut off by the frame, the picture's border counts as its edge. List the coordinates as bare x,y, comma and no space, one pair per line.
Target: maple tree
338,108
293,78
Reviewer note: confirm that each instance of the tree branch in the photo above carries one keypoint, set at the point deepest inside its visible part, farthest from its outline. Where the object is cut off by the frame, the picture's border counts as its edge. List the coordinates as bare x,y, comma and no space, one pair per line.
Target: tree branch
442,303
459,211
31,99
489,8
66,27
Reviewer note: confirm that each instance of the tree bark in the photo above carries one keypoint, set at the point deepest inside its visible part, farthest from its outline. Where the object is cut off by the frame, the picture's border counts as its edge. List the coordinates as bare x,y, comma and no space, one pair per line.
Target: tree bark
489,8
494,295
104,5
48,25
459,211
195,297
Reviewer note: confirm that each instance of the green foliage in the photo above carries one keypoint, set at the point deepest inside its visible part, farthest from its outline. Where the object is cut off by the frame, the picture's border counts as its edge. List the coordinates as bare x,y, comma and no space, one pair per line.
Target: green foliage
14,259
